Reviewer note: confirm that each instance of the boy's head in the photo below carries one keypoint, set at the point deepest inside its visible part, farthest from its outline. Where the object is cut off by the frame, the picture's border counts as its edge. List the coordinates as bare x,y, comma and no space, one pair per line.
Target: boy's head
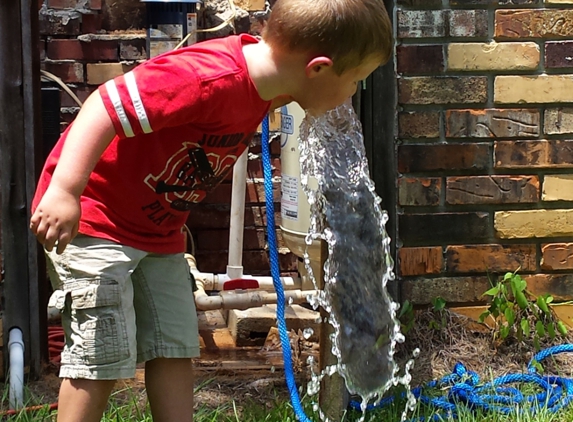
349,32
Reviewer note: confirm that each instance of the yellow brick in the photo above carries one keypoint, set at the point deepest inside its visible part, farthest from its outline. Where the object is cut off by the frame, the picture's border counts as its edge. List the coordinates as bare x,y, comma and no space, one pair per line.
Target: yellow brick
250,5
533,89
493,56
534,223
558,187
99,73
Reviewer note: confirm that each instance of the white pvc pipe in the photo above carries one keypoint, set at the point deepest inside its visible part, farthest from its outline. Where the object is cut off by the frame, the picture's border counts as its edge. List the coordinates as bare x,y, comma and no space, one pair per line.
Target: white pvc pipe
16,351
247,299
236,228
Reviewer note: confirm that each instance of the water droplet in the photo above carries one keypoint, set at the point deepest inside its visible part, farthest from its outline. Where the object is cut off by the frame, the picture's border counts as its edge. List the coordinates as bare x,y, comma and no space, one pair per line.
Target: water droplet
307,333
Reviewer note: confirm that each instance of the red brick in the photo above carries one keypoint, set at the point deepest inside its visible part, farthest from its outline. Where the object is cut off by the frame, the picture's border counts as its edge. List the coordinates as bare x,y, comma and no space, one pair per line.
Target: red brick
96,50
420,261
468,23
427,157
59,25
559,54
419,191
255,168
419,124
62,4
553,153
440,227
532,23
490,258
69,72
64,49
560,286
492,123
557,256
95,4
422,23
254,262
492,190
418,59
91,23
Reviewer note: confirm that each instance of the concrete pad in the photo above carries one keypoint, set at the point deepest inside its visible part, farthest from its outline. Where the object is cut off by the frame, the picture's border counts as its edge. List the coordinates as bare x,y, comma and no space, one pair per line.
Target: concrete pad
251,327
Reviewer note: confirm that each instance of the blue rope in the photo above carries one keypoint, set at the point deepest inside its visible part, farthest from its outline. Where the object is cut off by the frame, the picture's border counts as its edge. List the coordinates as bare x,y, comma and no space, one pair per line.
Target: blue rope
275,272
555,393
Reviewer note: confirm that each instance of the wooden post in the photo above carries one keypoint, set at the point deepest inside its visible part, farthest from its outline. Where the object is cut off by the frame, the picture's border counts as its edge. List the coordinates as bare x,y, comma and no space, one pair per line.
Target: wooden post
20,159
333,397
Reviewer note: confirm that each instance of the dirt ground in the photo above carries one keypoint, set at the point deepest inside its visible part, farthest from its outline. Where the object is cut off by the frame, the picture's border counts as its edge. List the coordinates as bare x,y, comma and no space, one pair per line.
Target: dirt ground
254,375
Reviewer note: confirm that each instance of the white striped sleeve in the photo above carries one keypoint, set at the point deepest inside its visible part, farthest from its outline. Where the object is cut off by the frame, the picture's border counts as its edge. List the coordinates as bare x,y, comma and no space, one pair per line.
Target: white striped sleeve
118,106
137,103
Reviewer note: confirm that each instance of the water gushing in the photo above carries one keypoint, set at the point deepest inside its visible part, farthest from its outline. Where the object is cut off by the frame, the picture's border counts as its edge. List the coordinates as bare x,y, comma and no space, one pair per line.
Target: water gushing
346,213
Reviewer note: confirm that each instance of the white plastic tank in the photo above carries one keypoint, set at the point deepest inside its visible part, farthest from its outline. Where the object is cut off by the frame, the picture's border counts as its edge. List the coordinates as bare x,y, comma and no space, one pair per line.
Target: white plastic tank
295,209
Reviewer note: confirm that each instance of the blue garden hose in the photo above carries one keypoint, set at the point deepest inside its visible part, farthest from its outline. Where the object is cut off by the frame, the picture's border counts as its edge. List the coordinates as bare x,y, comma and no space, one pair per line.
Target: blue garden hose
555,392
275,272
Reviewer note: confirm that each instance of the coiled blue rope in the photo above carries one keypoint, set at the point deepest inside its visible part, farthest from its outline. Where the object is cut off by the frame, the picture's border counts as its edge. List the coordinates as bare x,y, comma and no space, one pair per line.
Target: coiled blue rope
463,387
275,272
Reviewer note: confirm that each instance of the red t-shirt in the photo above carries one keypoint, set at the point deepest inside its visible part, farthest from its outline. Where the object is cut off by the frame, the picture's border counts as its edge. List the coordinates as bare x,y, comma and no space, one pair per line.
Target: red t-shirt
182,119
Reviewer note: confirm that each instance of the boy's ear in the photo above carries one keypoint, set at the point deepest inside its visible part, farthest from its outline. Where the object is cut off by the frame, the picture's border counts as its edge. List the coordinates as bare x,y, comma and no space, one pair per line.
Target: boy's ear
317,66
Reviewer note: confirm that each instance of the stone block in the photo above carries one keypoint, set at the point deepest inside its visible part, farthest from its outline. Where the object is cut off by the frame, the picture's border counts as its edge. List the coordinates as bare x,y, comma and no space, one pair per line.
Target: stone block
443,90
557,187
538,223
492,123
492,189
490,258
493,56
251,327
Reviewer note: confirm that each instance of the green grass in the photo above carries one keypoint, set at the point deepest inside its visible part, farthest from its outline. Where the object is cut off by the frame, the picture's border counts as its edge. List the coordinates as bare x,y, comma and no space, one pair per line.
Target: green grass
126,405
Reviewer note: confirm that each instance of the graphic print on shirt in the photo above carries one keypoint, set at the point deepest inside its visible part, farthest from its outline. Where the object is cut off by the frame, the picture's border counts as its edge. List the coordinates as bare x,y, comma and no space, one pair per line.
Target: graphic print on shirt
195,169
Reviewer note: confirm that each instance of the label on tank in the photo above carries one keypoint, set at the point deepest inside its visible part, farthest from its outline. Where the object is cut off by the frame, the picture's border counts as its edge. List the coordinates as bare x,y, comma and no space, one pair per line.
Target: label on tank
289,199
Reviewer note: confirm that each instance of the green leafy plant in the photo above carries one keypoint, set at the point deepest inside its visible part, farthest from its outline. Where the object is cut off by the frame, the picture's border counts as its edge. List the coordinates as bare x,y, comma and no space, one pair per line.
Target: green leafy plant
519,314
406,317
438,306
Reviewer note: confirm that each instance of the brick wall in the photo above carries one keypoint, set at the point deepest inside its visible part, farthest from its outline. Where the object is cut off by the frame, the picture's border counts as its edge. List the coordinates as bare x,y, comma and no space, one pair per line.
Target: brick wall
87,42
484,151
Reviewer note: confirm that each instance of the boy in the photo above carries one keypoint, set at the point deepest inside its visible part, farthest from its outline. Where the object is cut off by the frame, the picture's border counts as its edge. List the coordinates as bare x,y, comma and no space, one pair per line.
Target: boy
143,150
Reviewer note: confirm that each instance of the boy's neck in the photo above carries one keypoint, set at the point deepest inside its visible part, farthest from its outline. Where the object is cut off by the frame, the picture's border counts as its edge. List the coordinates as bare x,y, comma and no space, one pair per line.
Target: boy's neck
273,81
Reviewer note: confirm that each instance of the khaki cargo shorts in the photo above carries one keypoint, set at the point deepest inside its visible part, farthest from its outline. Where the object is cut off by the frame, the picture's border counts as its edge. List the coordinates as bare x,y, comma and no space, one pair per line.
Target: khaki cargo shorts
121,306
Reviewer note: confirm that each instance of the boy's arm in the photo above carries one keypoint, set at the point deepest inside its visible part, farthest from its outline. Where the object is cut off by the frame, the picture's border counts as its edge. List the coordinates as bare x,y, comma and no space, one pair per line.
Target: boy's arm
57,215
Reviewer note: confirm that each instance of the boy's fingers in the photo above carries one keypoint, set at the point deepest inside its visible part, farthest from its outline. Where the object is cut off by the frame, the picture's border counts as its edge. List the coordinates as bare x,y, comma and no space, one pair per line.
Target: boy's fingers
63,240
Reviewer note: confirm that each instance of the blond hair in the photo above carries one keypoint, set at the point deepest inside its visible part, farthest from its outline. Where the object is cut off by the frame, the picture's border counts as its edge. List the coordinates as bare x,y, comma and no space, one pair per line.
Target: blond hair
346,31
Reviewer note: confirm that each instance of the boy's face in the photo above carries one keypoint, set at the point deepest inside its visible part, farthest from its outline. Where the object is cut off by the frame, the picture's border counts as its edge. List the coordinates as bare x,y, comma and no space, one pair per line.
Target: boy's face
325,90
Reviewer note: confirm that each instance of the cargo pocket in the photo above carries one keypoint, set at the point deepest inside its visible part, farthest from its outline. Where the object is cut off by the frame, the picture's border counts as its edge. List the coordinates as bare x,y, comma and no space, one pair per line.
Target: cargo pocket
98,324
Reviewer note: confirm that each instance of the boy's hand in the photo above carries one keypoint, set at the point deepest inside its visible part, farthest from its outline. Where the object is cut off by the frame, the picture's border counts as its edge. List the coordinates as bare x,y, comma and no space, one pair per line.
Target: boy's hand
56,219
